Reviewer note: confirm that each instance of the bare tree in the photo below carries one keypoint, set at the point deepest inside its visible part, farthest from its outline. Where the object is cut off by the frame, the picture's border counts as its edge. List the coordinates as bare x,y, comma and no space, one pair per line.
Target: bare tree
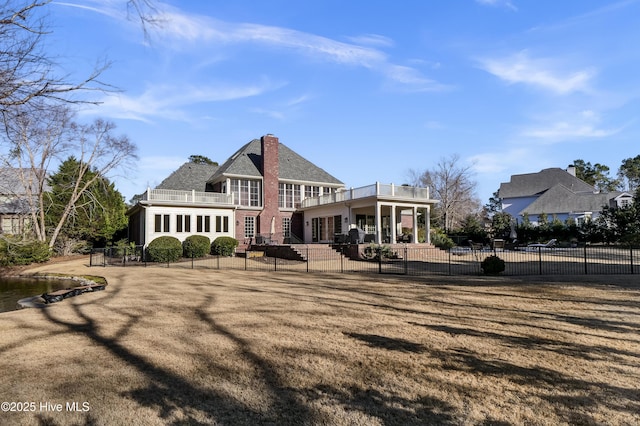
27,71
454,186
37,137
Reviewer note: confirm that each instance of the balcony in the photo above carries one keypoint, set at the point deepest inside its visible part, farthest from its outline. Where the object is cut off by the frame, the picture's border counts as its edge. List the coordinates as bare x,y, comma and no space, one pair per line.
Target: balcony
378,190
187,197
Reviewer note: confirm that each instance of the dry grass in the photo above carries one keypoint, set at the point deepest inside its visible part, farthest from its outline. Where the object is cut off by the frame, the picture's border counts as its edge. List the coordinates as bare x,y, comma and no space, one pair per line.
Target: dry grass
175,346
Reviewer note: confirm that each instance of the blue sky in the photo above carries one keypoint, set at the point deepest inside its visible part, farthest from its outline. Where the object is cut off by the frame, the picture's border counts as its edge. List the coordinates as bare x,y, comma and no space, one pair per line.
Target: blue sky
367,90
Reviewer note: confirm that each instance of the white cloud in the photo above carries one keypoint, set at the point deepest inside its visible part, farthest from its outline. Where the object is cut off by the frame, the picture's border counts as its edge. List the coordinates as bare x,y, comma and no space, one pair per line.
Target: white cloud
164,101
372,40
562,130
498,162
498,3
544,73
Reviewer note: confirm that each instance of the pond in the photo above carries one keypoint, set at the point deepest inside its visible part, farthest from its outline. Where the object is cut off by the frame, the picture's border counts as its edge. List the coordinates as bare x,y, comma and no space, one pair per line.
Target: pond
14,289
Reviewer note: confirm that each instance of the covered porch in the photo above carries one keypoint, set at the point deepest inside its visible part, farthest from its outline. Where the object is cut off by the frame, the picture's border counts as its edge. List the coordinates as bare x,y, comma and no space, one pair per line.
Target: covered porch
381,214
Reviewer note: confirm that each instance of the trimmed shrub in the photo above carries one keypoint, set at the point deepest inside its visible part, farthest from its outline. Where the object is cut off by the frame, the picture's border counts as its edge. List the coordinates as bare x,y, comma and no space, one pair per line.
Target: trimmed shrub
440,240
224,246
196,246
492,265
165,249
23,252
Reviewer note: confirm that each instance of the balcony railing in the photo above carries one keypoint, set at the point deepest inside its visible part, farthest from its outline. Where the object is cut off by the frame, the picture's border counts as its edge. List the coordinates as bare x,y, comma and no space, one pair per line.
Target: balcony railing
375,190
187,197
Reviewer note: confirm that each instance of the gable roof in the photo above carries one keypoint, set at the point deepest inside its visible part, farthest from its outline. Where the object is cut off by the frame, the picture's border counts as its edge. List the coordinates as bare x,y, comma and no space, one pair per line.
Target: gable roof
189,176
560,199
247,161
11,183
531,184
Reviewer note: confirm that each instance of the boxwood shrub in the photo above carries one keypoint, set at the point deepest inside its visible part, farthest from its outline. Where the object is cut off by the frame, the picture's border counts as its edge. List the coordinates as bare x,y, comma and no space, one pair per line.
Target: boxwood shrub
165,249
196,246
224,246
492,265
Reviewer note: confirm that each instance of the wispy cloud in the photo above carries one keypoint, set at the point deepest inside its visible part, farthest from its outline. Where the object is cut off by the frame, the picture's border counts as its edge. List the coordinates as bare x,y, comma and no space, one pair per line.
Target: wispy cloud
372,40
585,125
541,72
498,3
165,101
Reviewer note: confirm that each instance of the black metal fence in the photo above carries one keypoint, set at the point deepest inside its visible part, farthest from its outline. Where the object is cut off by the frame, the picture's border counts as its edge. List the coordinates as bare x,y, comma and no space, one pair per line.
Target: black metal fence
406,260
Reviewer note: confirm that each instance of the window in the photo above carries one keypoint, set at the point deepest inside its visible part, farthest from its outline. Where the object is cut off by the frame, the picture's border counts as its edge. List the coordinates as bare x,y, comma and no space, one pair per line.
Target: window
222,223
11,225
179,223
286,227
326,190
311,191
288,195
246,192
249,227
187,223
161,222
203,223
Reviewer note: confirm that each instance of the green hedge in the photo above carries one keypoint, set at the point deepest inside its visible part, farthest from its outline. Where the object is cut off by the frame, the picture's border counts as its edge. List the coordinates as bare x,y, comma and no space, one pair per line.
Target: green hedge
440,240
196,246
224,246
16,252
165,249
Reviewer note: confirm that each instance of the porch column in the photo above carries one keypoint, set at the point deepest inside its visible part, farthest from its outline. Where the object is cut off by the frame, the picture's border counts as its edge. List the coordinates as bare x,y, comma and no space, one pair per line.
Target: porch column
378,223
427,225
394,225
415,223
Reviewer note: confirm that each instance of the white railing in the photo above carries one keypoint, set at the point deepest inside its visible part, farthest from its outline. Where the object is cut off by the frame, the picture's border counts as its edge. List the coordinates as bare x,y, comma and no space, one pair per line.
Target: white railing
187,197
375,190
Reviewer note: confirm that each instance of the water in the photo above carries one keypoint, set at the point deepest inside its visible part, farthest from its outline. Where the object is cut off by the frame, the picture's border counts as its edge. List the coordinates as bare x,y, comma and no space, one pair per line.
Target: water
14,289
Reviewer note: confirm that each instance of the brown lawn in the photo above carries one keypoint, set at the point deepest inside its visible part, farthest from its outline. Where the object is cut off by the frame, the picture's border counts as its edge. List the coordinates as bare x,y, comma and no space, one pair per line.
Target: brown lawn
177,346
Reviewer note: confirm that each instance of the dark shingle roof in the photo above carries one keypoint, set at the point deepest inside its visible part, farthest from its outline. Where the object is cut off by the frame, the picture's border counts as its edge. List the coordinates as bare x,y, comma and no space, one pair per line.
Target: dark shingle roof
560,199
531,184
247,161
190,176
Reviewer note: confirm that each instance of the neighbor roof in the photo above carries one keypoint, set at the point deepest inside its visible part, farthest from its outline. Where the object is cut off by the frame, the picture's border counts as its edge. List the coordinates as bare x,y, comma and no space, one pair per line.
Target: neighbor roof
560,199
247,161
530,184
190,176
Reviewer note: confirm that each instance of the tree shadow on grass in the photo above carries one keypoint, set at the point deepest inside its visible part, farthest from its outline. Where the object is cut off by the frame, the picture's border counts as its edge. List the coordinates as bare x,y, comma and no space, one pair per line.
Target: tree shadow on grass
174,396
389,343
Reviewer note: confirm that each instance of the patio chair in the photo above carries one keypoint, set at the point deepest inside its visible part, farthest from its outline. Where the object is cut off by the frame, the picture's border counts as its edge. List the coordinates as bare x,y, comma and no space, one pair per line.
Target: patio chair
550,244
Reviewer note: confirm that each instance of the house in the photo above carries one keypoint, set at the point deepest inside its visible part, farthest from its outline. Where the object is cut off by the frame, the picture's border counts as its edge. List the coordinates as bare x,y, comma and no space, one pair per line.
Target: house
15,205
266,193
558,193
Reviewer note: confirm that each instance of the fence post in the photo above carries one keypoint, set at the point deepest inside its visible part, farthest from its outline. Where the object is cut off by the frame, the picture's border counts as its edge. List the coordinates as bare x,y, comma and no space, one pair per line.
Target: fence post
585,260
104,257
218,260
246,256
631,257
379,251
540,260
406,261
449,263
275,263
307,258
341,262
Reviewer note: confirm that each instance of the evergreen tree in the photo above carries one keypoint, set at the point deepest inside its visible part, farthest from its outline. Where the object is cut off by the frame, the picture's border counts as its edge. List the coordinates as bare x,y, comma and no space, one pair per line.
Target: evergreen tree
99,213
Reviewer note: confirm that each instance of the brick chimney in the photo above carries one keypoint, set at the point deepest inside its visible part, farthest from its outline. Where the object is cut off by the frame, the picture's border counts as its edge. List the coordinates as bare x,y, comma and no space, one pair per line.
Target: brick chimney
270,178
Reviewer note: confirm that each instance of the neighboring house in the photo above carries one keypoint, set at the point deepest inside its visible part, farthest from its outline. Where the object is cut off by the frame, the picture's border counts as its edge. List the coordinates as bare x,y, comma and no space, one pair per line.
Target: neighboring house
556,193
267,193
15,210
